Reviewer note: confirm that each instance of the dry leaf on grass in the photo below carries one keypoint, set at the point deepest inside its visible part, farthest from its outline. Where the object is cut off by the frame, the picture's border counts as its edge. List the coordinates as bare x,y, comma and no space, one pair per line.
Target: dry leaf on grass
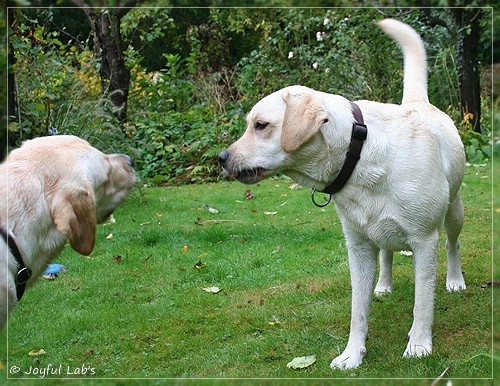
34,353
210,209
302,362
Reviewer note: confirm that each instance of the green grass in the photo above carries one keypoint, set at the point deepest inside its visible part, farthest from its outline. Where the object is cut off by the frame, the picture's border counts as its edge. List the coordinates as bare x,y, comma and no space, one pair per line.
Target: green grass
285,292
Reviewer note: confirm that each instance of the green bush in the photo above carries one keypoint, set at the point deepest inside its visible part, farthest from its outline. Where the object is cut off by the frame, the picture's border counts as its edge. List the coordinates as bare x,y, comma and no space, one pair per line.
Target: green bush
182,115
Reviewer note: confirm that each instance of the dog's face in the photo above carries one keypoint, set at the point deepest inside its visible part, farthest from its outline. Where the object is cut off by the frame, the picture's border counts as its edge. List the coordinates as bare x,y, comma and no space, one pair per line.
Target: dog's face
283,134
82,186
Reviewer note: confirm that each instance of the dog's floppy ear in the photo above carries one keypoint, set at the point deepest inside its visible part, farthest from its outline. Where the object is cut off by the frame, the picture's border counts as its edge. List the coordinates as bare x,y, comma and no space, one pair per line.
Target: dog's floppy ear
304,115
74,214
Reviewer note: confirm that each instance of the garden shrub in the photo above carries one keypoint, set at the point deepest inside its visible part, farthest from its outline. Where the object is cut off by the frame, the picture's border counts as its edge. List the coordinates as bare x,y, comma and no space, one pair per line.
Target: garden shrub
183,114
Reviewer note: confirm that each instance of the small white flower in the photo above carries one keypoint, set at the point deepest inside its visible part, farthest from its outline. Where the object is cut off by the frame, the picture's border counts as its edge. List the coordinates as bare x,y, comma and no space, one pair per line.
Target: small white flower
315,65
326,21
156,77
320,36
290,55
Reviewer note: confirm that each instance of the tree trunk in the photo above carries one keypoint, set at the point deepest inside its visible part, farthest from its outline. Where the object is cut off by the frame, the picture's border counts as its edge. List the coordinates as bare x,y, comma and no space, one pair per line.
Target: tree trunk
115,76
468,66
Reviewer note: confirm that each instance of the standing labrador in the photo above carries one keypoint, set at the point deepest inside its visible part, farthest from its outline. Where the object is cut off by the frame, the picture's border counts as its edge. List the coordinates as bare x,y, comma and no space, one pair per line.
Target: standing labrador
54,190
396,181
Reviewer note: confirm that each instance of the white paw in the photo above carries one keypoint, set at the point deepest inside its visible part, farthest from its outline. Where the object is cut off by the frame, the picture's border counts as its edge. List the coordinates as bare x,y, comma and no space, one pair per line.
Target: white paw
382,290
418,349
349,359
455,285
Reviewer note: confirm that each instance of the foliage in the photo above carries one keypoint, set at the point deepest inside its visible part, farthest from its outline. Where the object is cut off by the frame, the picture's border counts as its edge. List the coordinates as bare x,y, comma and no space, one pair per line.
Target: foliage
58,88
193,81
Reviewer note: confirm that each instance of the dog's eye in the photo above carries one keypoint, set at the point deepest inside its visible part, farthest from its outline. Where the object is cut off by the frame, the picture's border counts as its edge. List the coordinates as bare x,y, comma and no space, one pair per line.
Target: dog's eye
260,125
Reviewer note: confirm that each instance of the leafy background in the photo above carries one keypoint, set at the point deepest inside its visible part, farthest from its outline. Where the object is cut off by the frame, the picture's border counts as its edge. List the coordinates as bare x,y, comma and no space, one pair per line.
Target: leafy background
196,72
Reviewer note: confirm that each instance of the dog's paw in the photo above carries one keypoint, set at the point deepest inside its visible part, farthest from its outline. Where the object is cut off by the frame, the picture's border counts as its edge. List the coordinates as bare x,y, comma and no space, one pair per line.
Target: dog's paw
418,349
381,290
349,359
455,285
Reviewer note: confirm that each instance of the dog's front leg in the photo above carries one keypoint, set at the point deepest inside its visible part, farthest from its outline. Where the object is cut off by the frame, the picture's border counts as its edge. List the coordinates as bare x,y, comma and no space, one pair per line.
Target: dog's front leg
424,261
362,263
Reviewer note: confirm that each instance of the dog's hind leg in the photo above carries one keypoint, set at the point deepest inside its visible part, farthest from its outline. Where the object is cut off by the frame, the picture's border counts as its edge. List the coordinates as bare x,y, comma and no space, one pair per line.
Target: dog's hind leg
362,264
384,284
453,224
424,261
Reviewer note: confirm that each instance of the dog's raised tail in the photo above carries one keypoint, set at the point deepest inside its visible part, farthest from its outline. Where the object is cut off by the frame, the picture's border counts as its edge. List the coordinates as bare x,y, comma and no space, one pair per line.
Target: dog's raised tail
415,59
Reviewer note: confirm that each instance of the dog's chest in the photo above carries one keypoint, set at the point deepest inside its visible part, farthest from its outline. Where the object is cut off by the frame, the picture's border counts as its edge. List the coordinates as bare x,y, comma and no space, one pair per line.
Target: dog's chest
373,220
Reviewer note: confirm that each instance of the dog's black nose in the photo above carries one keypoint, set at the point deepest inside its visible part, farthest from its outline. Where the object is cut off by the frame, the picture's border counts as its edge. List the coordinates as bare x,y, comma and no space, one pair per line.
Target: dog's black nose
223,157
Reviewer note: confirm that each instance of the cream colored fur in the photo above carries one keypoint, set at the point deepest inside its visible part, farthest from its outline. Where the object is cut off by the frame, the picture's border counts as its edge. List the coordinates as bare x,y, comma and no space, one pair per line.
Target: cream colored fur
55,189
404,188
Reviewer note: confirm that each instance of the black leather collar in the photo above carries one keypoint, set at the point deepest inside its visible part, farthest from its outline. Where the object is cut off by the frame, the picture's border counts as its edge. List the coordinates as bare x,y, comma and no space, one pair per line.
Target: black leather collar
358,136
23,273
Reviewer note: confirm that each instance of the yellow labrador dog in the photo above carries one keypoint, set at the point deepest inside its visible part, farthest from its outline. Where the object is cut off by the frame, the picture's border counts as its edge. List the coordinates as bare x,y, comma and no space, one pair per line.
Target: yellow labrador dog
396,172
53,189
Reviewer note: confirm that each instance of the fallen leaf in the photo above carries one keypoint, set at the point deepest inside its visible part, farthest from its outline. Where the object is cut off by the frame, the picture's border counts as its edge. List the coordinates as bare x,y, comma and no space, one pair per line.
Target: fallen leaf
277,249
184,249
212,290
146,259
270,213
199,265
110,236
211,210
274,322
302,362
34,353
117,259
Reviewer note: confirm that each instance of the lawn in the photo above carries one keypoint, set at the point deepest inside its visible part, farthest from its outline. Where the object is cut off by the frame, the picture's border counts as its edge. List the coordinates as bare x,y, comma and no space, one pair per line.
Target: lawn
140,306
